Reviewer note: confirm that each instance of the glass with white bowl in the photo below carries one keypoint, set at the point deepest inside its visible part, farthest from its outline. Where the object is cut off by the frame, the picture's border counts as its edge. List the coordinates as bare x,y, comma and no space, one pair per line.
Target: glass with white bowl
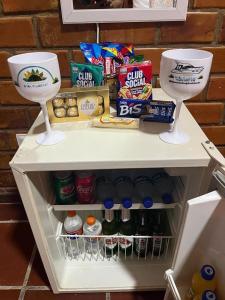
183,74
36,77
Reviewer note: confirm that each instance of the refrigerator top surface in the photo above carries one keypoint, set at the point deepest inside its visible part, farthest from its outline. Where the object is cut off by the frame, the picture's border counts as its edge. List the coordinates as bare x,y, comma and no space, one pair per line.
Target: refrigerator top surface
106,148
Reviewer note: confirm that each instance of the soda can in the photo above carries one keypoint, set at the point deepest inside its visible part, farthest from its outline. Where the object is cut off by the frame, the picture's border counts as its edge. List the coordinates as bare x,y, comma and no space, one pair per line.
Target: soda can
64,187
85,187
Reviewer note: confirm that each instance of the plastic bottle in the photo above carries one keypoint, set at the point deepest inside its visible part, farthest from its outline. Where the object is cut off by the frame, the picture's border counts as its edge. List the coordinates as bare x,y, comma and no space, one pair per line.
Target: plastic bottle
207,295
105,191
124,190
73,226
92,227
164,186
126,230
141,245
110,227
144,190
202,281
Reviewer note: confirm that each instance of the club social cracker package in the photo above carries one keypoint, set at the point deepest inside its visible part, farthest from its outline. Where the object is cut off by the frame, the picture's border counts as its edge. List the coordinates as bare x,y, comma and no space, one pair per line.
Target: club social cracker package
86,75
135,81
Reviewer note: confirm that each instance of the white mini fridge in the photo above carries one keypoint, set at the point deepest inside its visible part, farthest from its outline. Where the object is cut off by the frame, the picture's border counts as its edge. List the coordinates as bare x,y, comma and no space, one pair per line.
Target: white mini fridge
195,219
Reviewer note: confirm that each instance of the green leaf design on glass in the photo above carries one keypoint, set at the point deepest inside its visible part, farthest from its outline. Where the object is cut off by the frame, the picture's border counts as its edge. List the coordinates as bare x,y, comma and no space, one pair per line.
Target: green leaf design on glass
33,76
55,80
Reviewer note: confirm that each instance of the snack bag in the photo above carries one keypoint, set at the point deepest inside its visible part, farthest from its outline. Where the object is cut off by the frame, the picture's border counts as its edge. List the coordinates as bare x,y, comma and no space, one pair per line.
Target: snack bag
86,75
135,81
159,111
109,55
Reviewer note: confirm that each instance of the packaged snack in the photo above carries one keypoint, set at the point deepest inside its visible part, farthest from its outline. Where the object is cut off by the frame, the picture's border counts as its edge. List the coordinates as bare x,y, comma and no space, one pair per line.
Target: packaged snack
79,104
109,55
86,75
110,121
131,108
137,58
135,81
159,111
112,84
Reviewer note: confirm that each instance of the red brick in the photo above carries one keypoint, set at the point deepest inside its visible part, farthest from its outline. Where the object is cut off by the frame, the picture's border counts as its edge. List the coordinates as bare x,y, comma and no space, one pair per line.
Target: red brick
209,3
33,113
5,158
8,139
4,70
207,113
222,150
218,63
78,56
6,179
15,6
199,27
216,89
13,118
66,83
216,134
222,36
54,33
16,32
135,33
10,96
153,54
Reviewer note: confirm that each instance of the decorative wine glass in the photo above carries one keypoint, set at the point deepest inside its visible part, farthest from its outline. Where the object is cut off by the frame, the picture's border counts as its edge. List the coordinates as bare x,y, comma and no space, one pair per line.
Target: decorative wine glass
183,74
36,77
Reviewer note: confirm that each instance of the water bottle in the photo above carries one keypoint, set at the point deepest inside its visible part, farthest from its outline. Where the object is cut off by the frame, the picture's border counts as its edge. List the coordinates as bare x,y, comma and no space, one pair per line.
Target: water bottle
144,190
73,226
164,186
124,190
105,192
92,227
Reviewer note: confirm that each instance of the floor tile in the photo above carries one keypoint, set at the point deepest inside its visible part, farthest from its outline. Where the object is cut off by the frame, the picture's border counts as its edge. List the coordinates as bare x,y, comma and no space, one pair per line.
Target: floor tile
138,296
12,211
48,295
9,295
17,243
38,275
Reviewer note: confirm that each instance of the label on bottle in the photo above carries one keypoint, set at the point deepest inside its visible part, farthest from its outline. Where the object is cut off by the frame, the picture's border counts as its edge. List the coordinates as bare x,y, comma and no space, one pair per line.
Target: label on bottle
125,241
111,241
76,232
141,245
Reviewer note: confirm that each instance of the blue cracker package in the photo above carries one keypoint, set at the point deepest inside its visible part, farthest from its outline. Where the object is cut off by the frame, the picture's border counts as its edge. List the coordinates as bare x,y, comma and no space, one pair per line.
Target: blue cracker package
159,111
131,108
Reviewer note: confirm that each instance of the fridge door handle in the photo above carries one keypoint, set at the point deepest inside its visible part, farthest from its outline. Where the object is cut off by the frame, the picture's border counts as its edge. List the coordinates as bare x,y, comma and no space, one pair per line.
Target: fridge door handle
214,152
172,284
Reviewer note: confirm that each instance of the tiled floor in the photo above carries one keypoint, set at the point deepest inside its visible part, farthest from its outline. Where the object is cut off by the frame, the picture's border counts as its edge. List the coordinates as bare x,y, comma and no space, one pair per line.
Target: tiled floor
22,275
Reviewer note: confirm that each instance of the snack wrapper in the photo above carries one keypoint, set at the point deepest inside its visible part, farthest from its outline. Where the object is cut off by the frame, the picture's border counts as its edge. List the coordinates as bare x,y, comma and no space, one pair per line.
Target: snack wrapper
130,108
109,55
160,111
135,81
110,121
86,75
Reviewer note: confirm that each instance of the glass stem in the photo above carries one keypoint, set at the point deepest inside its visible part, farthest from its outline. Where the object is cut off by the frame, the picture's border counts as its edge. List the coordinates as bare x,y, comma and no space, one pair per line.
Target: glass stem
177,114
46,119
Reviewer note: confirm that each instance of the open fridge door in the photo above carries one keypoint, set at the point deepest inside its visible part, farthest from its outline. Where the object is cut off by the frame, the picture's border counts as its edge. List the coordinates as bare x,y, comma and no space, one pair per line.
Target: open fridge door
202,241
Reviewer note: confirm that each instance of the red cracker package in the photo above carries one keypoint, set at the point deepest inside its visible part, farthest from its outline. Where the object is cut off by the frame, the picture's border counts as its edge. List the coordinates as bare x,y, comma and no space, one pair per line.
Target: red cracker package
135,81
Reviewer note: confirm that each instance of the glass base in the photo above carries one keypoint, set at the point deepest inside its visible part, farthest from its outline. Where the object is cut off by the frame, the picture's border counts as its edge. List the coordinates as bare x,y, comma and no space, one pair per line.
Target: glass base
174,137
50,138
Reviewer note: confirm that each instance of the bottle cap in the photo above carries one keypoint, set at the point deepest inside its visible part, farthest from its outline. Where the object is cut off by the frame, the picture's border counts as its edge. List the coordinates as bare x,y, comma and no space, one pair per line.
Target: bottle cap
167,198
208,295
148,202
108,203
127,202
91,220
207,272
71,213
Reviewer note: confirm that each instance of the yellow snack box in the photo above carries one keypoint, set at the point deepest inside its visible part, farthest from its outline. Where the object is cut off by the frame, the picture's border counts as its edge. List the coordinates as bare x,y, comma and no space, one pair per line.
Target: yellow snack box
79,104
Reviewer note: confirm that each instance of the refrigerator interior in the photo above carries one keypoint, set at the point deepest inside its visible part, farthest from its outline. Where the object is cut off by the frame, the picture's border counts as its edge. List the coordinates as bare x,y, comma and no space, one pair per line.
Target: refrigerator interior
96,272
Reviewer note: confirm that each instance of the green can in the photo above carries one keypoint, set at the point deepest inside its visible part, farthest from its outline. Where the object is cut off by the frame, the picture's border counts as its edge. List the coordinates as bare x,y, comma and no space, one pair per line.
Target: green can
64,187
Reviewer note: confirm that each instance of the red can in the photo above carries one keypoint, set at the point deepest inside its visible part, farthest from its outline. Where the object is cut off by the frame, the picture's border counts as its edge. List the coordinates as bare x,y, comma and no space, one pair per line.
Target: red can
85,186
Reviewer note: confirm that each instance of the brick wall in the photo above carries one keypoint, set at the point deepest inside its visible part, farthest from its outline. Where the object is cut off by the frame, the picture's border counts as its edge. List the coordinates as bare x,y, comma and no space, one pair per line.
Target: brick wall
31,25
